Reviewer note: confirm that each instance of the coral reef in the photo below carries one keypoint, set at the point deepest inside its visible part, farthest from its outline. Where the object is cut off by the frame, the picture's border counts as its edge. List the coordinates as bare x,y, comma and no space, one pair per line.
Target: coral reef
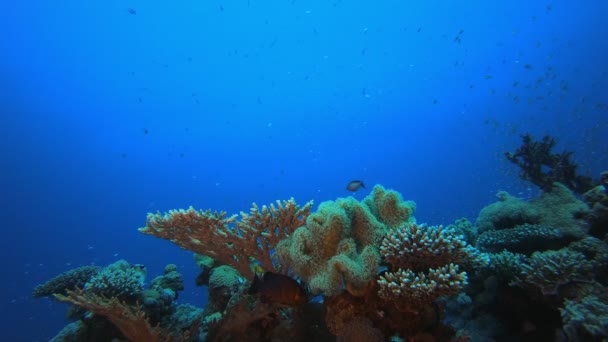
527,270
541,166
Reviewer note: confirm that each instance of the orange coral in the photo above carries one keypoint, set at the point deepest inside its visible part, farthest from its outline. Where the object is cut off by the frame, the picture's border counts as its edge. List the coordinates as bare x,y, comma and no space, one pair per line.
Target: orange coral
234,242
130,320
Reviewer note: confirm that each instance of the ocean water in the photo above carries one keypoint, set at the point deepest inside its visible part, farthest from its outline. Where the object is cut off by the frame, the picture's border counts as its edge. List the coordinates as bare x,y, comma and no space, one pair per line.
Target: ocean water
113,109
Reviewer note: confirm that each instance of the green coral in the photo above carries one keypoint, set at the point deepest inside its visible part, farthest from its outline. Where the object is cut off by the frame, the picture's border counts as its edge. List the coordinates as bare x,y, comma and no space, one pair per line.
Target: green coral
585,319
171,282
524,238
508,212
549,270
70,280
120,280
551,221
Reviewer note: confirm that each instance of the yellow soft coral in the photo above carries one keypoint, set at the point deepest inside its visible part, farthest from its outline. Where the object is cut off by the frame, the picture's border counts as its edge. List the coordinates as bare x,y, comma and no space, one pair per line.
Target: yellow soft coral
337,248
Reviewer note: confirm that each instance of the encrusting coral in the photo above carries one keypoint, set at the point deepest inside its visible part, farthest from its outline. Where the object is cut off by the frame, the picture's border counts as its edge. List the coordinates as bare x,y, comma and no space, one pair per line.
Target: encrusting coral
237,243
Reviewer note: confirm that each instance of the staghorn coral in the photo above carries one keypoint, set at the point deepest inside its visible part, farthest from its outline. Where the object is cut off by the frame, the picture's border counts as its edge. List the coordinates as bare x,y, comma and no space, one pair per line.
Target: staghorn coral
69,280
228,240
337,247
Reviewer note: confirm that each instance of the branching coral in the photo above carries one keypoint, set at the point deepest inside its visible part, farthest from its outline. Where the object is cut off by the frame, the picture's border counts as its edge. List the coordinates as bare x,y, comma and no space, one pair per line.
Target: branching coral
423,264
69,280
120,279
130,320
420,247
234,242
422,288
585,319
541,166
548,271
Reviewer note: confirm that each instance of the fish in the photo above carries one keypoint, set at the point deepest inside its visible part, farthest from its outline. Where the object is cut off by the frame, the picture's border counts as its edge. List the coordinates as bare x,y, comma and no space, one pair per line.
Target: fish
355,185
277,288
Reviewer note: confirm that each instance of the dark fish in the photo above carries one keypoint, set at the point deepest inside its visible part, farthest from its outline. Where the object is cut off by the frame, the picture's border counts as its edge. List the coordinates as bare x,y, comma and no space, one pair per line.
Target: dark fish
355,185
278,288
132,11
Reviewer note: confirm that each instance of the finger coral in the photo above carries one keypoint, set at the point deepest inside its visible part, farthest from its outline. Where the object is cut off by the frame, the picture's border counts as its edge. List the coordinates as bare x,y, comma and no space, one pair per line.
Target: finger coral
422,288
423,264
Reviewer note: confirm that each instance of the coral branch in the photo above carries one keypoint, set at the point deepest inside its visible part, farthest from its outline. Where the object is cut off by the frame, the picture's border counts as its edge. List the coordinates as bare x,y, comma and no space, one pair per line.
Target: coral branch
421,288
234,242
130,320
541,166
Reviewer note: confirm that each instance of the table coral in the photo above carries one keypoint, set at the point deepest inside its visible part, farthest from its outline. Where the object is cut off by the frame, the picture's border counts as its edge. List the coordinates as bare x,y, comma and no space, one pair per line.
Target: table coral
234,242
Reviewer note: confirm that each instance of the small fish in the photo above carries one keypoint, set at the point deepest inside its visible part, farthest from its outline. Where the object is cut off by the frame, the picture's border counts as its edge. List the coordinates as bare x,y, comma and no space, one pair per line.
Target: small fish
132,11
257,269
278,288
355,185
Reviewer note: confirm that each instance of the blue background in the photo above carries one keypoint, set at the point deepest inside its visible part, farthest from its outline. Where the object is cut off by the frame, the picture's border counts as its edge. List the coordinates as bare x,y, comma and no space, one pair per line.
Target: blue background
254,100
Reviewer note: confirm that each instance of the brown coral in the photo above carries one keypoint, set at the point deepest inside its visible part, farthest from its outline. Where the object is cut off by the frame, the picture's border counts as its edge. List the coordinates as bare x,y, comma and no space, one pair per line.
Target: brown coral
233,242
130,320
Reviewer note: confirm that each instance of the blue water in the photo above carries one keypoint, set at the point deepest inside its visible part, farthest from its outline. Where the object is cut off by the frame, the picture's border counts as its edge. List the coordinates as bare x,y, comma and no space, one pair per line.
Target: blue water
107,115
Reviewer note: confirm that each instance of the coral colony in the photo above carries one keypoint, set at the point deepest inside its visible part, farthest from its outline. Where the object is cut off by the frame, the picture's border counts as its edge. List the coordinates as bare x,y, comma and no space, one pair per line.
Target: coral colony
367,271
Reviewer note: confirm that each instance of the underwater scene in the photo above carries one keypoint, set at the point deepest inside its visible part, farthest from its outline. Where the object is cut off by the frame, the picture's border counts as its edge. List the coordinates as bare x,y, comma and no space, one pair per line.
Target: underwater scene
290,170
